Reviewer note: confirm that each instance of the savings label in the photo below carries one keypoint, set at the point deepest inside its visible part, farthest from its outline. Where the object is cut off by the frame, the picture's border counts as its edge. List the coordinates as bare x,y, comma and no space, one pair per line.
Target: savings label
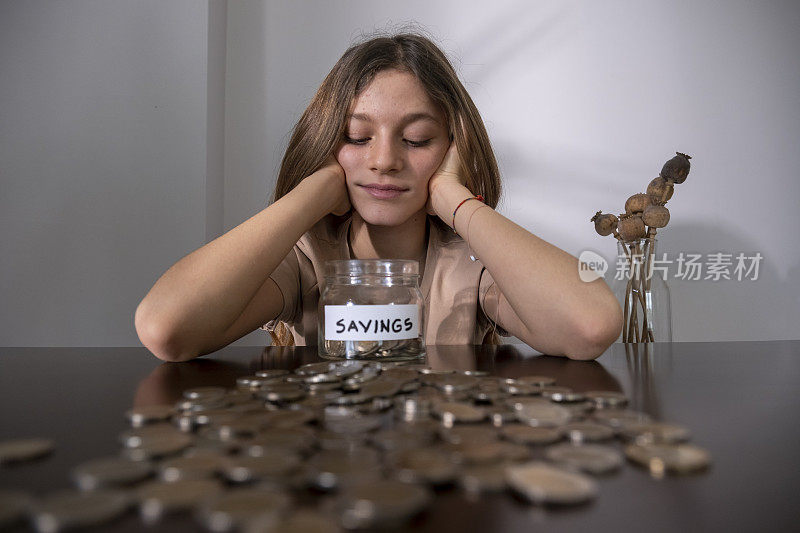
371,322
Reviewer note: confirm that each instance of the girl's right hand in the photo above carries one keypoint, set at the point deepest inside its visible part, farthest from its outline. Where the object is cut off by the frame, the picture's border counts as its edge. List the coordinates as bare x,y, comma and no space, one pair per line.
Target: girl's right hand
334,171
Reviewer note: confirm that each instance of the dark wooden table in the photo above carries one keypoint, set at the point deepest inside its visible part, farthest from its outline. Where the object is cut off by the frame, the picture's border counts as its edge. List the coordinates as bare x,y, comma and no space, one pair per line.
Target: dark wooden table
740,400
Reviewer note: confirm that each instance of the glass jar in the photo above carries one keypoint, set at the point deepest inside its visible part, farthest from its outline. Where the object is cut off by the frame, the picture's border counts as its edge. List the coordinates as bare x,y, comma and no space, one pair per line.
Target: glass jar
371,309
643,293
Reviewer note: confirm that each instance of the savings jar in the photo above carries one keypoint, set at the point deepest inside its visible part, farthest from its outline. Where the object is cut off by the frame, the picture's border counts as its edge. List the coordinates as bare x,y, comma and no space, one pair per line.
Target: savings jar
371,309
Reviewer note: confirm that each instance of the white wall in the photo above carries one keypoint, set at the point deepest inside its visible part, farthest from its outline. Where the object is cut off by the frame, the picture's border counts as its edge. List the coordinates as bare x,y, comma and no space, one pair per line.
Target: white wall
112,156
103,162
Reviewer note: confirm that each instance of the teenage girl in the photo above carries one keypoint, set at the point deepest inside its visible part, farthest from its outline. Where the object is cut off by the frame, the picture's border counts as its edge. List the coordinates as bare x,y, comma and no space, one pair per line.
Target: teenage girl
391,159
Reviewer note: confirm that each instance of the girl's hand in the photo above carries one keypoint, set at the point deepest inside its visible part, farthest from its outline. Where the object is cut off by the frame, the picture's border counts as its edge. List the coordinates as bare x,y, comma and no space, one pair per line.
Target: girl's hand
339,195
450,171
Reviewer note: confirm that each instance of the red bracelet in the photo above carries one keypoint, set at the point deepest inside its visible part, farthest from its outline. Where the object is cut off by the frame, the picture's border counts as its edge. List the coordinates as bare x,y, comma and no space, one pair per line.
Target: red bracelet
478,197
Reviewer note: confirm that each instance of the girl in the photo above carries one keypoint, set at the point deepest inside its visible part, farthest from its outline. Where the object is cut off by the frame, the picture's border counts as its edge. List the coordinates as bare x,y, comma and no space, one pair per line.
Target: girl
390,160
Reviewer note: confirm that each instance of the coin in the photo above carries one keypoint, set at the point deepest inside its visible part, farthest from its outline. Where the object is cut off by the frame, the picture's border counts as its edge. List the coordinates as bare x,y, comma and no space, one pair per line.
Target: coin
271,373
235,508
580,432
591,458
402,438
468,434
205,393
541,381
158,498
678,458
146,446
302,439
139,416
518,388
655,433
299,521
329,469
482,479
562,394
450,382
204,466
270,467
451,412
541,483
13,506
424,465
617,417
522,434
543,414
607,399
109,471
71,509
15,450
381,504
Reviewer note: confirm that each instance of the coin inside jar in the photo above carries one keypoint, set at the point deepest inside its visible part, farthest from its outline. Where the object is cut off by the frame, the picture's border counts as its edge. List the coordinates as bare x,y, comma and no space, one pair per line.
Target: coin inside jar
540,483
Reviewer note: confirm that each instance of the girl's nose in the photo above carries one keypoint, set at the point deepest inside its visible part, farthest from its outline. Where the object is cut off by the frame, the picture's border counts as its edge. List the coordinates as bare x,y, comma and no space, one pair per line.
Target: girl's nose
385,155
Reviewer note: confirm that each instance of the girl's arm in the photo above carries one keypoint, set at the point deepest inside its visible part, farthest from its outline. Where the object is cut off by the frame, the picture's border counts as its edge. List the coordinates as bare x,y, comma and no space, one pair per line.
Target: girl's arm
541,299
222,291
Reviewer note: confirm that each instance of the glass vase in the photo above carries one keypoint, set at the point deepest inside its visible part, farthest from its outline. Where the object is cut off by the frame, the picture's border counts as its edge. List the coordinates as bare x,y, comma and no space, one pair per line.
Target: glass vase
643,292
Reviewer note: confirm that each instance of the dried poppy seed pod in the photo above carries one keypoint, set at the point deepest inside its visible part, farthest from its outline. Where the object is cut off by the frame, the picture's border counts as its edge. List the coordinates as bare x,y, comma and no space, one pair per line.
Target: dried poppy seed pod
631,227
637,203
660,191
655,216
604,224
677,168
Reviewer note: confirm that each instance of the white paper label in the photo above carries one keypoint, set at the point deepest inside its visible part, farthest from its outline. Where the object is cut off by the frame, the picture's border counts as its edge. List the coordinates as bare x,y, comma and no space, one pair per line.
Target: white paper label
371,322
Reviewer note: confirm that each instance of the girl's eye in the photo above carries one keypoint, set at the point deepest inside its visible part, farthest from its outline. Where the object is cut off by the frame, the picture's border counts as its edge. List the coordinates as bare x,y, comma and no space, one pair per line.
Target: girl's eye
415,144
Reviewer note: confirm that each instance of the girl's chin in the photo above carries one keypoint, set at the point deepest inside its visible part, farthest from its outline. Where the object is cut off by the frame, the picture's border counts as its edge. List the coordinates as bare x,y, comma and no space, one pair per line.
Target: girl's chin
385,217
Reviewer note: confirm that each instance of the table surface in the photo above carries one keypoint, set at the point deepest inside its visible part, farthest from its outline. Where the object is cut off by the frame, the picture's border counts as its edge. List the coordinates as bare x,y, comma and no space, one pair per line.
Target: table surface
739,399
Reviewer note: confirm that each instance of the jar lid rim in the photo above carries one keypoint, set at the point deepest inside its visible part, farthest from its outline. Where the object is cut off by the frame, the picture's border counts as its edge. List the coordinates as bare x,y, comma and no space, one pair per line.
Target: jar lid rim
384,267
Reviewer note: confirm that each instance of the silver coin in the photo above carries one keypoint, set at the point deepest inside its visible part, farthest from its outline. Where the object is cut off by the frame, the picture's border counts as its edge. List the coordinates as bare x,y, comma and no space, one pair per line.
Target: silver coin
529,435
348,420
401,438
13,507
660,458
469,434
453,412
15,450
157,498
329,470
271,373
580,432
302,439
424,465
487,453
518,388
147,414
110,472
488,396
381,387
543,414
69,509
234,509
145,447
410,408
450,383
202,466
617,417
207,418
427,371
482,479
607,399
476,373
382,503
500,416
267,467
654,433
201,404
562,394
591,458
541,483
293,418
541,381
283,392
255,382
313,368
205,393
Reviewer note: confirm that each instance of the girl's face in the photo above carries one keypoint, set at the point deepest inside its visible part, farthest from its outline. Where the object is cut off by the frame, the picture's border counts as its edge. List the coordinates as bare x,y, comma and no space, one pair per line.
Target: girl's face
395,139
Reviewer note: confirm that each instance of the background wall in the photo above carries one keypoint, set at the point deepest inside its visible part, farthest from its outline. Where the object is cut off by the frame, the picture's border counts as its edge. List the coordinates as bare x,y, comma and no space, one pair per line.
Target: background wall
115,162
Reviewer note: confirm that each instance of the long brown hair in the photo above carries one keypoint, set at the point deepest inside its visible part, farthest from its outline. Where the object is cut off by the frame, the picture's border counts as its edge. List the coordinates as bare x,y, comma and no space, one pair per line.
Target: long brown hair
321,128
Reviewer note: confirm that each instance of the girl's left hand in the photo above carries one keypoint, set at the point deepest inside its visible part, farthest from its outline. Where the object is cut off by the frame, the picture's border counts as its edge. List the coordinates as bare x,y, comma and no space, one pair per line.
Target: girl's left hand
450,171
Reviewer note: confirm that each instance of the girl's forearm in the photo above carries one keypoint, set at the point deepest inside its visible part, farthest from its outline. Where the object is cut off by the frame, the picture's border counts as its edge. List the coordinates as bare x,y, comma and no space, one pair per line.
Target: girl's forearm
561,314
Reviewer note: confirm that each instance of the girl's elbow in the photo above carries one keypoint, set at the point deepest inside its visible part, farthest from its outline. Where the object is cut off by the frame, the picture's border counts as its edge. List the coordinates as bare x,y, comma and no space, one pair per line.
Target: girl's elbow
598,334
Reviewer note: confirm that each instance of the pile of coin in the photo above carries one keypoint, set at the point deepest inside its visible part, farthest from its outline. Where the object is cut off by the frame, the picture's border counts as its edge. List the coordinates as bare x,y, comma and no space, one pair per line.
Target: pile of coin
354,444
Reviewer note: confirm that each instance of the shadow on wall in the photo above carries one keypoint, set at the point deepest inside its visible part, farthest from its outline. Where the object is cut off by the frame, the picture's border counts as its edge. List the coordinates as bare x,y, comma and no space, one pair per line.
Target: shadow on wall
706,310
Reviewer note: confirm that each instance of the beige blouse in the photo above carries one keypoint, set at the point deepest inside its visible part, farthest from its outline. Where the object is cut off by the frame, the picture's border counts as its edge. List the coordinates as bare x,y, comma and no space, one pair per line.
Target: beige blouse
454,286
